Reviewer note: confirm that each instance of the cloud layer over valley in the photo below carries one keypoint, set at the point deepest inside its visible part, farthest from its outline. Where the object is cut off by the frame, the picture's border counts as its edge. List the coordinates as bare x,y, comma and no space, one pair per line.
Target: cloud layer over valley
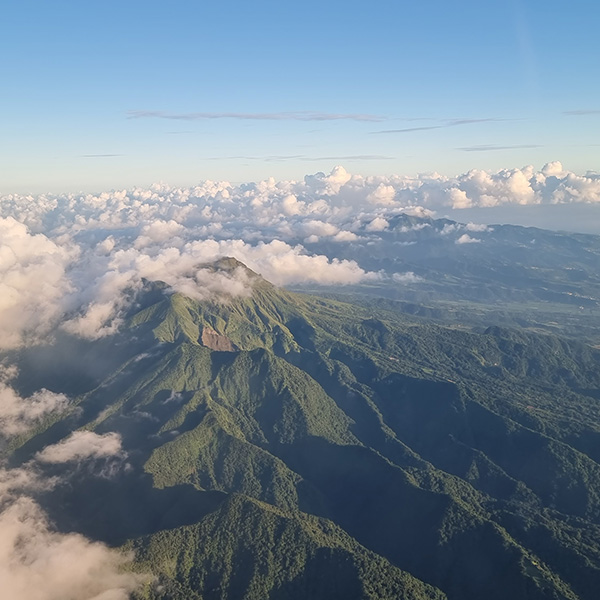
37,562
71,258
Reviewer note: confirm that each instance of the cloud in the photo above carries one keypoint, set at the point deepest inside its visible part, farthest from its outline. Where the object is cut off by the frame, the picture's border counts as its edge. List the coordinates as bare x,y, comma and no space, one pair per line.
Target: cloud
82,445
33,281
345,236
408,277
449,123
320,228
100,155
276,116
450,228
382,194
491,147
17,415
582,112
38,563
477,227
79,259
414,227
466,239
377,224
185,270
284,264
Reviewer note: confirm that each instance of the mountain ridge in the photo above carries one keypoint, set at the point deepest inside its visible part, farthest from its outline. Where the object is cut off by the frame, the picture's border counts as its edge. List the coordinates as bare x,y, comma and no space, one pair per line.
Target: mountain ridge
406,436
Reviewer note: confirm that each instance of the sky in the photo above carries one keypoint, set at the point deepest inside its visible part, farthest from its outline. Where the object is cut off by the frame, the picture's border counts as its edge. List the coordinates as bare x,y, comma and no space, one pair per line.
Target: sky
106,95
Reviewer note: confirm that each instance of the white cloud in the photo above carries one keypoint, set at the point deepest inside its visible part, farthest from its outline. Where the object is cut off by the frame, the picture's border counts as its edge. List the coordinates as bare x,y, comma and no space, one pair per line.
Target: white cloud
450,228
414,227
466,239
377,224
382,194
283,264
82,445
291,206
345,236
553,169
33,282
477,227
408,277
17,414
38,563
320,228
79,257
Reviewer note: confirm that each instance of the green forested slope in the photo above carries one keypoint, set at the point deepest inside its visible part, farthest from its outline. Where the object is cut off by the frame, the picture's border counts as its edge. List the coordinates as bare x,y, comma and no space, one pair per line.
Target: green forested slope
321,450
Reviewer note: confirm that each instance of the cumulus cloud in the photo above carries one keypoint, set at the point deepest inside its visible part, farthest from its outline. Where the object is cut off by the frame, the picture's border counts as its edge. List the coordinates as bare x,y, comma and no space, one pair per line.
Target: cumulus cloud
82,445
377,224
414,227
78,259
477,227
33,281
38,563
466,239
17,414
408,277
345,236
320,228
382,194
451,228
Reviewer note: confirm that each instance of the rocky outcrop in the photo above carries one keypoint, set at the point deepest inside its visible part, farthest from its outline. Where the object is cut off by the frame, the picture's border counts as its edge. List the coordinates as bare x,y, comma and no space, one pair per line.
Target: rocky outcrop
215,341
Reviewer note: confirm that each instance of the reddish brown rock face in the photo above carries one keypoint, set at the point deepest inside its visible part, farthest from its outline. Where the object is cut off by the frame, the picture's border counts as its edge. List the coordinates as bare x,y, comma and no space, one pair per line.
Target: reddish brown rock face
213,340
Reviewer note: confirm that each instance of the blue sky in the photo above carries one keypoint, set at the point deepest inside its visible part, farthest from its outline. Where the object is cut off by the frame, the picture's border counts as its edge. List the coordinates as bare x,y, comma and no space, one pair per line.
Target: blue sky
101,95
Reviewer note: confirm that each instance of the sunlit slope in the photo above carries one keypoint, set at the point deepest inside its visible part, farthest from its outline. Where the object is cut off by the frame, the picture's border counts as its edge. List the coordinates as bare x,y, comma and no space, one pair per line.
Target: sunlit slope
315,437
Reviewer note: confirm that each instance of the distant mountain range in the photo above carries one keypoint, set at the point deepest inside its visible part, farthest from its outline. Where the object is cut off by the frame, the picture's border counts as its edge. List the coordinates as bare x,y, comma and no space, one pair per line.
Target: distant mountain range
496,263
288,446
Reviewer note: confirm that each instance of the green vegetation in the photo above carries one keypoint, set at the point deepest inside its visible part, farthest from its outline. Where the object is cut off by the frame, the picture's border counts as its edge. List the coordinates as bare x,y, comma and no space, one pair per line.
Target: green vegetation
334,450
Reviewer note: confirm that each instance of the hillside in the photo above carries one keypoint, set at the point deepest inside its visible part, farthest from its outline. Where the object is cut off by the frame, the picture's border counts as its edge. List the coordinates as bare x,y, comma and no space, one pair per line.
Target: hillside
281,445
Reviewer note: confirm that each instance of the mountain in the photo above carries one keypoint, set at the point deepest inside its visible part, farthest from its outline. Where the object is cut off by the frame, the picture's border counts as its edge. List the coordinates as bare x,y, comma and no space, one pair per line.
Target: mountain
499,274
281,445
452,260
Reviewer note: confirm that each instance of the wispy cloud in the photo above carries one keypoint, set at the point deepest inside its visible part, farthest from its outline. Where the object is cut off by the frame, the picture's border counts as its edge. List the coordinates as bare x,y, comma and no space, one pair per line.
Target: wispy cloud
491,147
445,125
276,116
582,112
100,155
272,158
350,157
303,157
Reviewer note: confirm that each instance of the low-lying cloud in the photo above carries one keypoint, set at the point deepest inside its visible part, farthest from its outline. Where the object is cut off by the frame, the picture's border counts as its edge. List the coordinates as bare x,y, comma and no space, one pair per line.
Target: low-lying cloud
76,260
36,561
82,445
18,414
